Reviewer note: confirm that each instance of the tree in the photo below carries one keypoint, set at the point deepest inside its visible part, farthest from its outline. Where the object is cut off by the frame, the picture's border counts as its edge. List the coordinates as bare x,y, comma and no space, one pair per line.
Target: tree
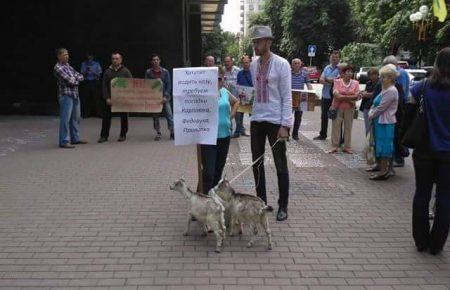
361,54
327,24
386,23
220,44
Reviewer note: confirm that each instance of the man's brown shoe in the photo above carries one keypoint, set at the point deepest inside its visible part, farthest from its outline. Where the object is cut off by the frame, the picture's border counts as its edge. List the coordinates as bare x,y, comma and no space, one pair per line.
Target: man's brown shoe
67,146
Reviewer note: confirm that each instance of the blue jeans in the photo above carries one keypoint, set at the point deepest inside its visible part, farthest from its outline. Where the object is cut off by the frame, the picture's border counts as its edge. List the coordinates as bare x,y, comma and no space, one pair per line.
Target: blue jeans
239,118
69,120
167,111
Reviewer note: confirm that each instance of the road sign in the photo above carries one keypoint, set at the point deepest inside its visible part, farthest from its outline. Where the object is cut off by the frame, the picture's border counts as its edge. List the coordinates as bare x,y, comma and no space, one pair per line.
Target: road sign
312,50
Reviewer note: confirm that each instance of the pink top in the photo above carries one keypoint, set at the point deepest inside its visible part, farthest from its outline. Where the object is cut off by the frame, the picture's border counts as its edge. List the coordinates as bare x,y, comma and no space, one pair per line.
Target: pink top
351,88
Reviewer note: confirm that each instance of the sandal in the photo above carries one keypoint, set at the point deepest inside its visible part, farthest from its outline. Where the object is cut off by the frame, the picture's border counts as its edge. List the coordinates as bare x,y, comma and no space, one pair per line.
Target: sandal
332,151
380,177
348,151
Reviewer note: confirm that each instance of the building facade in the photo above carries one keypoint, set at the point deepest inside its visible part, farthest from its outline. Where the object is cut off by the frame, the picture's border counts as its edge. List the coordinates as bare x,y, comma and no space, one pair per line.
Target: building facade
249,7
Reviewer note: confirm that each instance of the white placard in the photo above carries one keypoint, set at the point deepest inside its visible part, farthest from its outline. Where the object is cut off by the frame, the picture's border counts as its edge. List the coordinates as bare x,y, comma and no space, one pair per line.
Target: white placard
195,105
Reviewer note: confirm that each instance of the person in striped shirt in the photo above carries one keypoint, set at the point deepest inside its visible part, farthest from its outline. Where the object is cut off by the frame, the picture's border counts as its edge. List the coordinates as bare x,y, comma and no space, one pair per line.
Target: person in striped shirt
299,79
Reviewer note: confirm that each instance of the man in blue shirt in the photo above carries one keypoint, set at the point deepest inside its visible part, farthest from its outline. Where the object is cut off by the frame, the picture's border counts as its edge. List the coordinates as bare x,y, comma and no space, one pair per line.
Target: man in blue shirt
90,91
244,78
330,72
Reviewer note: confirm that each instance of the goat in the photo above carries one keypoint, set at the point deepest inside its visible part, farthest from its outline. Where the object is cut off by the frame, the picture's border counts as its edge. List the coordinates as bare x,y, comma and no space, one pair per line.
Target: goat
208,210
244,209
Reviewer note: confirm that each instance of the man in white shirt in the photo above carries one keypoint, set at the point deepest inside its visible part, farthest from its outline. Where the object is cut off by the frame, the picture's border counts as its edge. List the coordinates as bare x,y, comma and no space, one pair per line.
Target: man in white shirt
272,114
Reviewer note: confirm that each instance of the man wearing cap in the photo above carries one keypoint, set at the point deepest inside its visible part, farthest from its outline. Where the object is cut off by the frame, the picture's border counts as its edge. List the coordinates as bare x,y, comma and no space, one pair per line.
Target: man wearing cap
271,116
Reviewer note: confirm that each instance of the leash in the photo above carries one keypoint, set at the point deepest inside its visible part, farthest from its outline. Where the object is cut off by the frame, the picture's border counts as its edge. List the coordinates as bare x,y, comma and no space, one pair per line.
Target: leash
254,162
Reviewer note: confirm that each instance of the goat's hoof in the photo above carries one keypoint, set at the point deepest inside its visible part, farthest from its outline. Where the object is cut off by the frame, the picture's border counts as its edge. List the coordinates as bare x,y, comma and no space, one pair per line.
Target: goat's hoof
240,233
185,233
204,234
269,247
217,251
249,244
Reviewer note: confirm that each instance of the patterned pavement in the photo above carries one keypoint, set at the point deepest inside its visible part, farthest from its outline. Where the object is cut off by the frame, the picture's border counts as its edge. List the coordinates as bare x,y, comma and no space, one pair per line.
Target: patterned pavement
101,216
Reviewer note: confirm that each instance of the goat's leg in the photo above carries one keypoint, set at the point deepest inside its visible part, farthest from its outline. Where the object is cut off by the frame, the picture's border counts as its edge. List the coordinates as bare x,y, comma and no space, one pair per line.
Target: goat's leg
265,225
189,218
215,226
252,238
204,230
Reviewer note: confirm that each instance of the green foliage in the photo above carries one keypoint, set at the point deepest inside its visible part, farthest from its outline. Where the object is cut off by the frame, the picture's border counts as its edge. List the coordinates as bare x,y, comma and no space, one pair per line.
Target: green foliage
220,44
246,46
326,24
361,54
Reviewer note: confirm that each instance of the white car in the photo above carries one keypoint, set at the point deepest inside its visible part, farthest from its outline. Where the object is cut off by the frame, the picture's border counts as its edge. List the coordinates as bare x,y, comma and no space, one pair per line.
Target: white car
416,75
361,75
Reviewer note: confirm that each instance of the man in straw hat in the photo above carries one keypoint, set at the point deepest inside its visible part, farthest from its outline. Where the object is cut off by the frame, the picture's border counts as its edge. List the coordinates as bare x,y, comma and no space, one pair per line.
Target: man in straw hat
272,114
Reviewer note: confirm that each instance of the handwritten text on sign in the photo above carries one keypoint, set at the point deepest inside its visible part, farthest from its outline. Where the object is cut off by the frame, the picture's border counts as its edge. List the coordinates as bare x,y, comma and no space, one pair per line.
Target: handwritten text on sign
195,105
136,95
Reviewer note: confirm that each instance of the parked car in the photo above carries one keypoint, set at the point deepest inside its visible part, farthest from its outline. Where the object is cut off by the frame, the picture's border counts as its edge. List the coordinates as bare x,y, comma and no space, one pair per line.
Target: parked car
313,73
416,75
429,69
403,64
361,75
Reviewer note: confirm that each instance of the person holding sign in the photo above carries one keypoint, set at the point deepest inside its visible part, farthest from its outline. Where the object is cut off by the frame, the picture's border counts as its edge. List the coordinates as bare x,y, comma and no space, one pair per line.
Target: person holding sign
115,70
271,116
244,78
299,79
158,72
214,156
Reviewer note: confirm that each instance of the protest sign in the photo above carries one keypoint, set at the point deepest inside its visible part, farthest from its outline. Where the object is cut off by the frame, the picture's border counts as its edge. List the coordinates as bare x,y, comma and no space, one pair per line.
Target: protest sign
136,95
246,95
195,105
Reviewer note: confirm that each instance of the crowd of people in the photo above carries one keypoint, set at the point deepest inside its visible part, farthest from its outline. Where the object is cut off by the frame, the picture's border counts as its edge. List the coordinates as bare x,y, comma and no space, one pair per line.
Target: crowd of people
386,104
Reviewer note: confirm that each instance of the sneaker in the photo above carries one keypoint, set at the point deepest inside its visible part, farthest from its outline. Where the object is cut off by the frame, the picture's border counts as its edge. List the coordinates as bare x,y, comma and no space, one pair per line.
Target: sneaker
295,137
102,140
235,135
158,136
122,138
282,215
320,138
245,134
66,146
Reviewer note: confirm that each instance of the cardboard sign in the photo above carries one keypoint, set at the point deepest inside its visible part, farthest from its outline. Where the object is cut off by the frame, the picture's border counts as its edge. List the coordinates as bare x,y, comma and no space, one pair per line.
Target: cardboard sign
136,95
195,105
305,100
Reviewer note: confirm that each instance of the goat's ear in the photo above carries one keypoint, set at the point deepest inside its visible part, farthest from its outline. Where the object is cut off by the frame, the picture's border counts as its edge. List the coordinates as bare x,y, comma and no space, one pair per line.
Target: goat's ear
182,179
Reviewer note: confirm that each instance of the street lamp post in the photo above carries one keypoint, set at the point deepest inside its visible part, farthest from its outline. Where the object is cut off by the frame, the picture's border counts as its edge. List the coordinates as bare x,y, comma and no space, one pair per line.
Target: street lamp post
421,22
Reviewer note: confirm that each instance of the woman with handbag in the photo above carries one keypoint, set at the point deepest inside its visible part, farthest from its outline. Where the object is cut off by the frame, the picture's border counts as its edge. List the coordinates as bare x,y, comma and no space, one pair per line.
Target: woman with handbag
382,116
345,94
430,138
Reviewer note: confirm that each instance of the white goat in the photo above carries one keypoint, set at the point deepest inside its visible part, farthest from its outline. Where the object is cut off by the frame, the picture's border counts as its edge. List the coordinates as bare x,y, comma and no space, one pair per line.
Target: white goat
207,210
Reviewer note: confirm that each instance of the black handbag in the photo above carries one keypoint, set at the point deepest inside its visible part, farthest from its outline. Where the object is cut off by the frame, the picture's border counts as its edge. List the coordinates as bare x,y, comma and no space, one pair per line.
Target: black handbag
415,131
332,113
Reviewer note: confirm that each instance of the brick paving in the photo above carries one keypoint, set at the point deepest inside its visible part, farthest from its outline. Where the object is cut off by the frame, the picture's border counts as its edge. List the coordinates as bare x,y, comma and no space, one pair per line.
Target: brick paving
102,217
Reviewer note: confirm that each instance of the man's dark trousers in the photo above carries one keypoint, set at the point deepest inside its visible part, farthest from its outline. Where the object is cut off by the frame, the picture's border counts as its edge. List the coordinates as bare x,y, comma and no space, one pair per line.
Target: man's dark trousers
90,98
326,104
106,123
259,131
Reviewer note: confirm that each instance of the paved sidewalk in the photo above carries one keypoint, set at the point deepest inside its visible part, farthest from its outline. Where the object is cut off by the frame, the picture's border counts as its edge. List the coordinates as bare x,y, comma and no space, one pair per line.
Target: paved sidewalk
101,216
